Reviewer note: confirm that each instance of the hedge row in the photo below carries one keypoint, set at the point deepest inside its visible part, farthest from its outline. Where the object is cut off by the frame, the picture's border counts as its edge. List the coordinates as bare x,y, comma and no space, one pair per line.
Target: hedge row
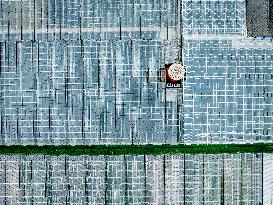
150,149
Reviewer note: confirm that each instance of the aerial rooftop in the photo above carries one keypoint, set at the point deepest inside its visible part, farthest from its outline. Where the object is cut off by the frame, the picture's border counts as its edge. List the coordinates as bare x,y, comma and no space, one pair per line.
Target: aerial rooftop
86,72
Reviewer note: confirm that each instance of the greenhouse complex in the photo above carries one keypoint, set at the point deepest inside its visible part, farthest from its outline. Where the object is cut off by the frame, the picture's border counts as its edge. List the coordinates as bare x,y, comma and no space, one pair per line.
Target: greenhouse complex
136,102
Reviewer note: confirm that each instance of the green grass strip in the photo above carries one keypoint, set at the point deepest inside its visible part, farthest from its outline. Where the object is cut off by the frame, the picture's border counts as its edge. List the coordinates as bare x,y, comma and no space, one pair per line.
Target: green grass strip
149,149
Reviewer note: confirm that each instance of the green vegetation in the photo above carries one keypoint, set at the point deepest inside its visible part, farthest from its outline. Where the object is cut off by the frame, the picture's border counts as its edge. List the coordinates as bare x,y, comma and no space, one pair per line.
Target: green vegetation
135,149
